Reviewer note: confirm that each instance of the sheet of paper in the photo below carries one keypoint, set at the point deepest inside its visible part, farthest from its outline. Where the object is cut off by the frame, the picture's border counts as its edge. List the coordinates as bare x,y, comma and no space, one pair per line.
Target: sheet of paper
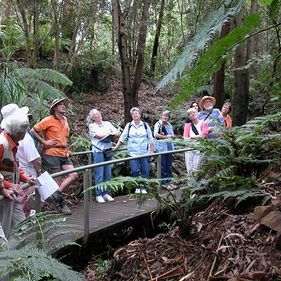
46,185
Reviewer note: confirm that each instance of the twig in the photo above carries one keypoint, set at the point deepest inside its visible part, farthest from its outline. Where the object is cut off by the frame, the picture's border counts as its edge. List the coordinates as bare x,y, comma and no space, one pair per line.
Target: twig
147,266
215,259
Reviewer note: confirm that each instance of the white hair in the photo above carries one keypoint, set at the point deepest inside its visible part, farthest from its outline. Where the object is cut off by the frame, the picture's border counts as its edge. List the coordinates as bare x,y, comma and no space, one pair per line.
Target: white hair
89,119
16,125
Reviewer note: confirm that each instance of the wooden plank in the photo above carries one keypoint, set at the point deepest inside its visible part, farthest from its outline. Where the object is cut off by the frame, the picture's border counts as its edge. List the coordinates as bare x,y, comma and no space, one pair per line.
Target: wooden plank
108,214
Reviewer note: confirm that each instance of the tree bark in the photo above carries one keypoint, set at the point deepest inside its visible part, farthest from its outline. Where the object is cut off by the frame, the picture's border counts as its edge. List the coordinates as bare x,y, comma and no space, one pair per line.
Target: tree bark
219,91
240,100
140,52
156,40
56,64
122,47
36,41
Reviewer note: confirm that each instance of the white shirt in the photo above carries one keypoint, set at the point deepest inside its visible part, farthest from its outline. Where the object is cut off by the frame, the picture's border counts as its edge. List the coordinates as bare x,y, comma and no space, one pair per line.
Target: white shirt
27,153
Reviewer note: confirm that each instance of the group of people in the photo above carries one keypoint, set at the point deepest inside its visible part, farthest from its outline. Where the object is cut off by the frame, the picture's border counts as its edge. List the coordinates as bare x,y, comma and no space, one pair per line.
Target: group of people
20,160
205,123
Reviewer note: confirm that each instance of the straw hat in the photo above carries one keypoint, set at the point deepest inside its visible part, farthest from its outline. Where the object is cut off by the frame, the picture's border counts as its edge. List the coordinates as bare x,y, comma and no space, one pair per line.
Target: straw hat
207,98
55,102
12,111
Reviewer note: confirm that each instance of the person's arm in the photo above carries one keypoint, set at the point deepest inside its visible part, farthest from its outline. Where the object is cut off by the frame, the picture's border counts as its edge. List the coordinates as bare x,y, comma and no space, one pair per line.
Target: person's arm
186,131
37,164
47,143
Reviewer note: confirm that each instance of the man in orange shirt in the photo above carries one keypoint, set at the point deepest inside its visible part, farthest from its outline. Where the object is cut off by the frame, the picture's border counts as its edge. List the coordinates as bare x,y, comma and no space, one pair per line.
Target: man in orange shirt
55,132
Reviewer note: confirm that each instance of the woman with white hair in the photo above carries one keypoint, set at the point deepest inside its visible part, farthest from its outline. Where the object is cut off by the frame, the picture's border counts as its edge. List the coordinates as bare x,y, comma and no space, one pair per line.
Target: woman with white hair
140,142
14,124
192,131
101,134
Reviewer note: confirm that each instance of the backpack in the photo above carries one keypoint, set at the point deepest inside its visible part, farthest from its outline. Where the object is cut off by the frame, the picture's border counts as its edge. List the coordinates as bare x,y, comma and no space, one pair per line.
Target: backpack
145,126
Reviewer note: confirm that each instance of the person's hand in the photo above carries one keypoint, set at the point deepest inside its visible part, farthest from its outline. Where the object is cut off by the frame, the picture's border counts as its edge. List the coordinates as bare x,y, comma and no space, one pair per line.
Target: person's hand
118,133
49,143
16,189
8,193
31,180
114,148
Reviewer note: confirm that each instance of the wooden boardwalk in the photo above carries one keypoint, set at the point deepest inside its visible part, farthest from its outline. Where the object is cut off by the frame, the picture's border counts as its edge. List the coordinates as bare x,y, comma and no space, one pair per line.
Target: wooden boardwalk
102,216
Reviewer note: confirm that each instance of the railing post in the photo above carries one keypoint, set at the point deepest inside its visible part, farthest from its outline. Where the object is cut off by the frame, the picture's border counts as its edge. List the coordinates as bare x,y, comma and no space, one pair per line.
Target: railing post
158,163
90,175
86,206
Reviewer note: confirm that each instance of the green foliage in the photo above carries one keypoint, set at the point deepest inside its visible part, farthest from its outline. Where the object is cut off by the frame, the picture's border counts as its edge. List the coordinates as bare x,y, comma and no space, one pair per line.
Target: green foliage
79,143
215,56
36,238
34,264
205,34
44,230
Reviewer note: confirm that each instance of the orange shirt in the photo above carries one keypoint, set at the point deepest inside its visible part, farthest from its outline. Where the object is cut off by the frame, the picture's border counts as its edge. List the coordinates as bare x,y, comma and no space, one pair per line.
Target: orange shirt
54,129
8,164
227,121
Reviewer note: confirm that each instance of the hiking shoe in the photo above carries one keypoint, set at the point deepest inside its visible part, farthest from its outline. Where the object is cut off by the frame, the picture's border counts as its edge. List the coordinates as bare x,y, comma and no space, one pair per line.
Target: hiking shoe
108,198
100,199
138,191
143,191
65,210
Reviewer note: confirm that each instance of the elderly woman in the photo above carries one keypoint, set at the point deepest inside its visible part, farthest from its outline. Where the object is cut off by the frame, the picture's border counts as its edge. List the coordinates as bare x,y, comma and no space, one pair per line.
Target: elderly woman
163,131
211,115
194,130
225,111
140,142
101,133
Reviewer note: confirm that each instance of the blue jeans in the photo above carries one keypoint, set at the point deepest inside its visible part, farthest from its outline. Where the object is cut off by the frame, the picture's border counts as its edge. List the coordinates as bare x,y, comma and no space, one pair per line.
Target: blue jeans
140,167
166,168
102,173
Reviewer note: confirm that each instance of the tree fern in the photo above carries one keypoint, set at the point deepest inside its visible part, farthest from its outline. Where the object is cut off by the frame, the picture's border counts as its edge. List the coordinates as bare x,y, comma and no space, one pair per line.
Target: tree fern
205,34
214,57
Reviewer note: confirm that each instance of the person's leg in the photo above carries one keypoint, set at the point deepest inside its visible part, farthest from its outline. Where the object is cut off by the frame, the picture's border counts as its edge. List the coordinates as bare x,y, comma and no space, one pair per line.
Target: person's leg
169,167
198,159
6,215
135,167
163,168
98,157
144,169
189,161
18,214
107,174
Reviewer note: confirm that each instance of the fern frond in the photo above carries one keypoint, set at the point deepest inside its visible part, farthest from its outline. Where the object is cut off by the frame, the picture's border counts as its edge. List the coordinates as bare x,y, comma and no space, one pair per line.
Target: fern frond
36,264
215,56
206,33
53,76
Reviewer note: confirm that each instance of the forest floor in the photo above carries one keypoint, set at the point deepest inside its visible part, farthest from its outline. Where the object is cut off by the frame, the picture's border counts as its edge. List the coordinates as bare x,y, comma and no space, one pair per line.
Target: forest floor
225,244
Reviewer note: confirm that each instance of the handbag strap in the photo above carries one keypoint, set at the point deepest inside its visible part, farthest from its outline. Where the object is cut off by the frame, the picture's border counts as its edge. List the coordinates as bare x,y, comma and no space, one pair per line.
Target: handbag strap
208,115
194,129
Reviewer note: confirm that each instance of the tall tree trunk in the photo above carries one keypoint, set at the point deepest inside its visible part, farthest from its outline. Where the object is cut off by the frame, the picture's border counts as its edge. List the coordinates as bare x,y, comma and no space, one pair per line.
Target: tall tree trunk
156,40
219,92
26,32
56,60
122,47
36,42
140,52
240,100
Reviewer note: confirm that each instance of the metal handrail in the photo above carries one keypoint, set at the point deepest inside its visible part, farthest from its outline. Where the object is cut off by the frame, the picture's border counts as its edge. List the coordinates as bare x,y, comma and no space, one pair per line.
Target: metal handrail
87,176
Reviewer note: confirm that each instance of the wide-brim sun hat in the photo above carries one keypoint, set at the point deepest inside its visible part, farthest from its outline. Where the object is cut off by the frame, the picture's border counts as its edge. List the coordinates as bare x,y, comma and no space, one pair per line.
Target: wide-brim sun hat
55,102
201,102
12,111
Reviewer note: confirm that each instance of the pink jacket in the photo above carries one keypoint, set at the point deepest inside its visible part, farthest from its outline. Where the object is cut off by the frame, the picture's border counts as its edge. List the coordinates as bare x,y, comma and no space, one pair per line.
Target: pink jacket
187,129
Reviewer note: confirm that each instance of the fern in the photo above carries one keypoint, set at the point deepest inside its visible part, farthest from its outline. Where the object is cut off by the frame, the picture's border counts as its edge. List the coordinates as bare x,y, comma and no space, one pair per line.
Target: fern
215,56
34,264
44,230
206,33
